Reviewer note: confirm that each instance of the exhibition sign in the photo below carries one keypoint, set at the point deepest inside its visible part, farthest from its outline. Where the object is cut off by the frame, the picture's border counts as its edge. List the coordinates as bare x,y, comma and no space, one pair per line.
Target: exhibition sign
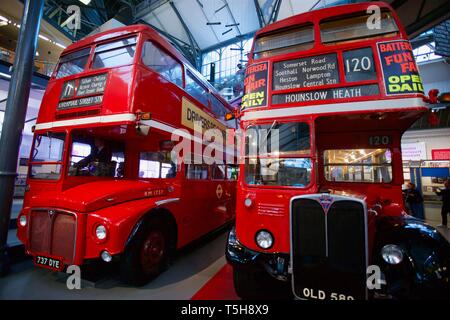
414,151
255,86
400,72
440,154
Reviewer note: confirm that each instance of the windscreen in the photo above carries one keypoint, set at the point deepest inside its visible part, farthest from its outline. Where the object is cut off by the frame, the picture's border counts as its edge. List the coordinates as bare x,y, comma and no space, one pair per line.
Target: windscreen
47,155
114,54
73,63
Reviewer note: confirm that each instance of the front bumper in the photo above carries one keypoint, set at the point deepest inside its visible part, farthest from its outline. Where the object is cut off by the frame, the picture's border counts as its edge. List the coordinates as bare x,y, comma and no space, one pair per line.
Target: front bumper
239,256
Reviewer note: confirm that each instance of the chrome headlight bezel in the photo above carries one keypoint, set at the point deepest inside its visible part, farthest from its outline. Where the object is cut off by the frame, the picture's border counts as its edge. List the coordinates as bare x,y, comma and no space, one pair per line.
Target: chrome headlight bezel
392,254
101,232
23,221
264,239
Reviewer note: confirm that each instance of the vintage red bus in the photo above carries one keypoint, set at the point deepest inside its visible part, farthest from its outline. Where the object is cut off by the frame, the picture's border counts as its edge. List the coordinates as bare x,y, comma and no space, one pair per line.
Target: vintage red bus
103,182
319,210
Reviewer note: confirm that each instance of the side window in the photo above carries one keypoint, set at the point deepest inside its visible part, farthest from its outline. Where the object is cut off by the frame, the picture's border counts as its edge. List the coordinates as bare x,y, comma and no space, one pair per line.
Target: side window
162,63
196,171
218,172
232,172
217,107
195,89
156,165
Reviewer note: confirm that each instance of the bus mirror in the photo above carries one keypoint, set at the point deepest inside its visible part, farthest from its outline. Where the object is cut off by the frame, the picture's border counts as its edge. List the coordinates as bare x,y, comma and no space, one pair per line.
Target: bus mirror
229,116
142,130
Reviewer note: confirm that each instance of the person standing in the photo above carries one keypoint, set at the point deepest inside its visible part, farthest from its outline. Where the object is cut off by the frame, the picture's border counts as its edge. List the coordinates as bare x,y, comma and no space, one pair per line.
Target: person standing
414,201
445,194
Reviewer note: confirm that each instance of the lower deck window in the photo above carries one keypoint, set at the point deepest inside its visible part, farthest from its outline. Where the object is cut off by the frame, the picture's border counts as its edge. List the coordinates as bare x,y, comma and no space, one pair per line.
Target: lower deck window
358,165
291,172
156,165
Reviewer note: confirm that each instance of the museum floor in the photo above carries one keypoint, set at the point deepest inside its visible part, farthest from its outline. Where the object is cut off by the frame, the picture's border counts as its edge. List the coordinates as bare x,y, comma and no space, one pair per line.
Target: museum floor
199,272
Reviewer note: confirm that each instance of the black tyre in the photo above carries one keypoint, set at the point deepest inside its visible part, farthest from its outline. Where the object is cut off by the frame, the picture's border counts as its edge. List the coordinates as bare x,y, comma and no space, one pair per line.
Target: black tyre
147,255
258,285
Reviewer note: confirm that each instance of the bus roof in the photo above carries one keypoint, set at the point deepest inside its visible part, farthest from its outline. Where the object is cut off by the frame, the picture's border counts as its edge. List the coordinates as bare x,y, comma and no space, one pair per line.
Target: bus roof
142,28
324,14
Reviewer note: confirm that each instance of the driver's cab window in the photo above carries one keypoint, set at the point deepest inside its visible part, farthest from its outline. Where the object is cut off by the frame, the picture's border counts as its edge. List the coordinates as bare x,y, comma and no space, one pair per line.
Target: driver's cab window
96,157
157,165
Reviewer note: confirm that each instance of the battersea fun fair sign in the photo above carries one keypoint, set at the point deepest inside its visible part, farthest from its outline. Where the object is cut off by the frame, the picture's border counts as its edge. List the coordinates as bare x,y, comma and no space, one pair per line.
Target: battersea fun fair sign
400,72
255,84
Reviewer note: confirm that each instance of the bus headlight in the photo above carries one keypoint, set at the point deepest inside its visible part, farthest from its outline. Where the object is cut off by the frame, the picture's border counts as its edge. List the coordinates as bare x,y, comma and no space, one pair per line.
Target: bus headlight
392,254
100,232
23,220
264,239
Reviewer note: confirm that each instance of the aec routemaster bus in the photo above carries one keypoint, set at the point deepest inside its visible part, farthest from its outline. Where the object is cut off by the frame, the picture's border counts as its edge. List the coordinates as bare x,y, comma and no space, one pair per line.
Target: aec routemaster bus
319,209
103,182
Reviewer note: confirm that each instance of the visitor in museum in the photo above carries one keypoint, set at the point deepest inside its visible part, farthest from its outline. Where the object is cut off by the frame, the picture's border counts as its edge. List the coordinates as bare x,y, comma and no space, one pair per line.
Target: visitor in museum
414,201
445,194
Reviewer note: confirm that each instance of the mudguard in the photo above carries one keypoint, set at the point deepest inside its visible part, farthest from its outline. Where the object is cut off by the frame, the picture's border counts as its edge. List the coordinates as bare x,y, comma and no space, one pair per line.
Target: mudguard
425,269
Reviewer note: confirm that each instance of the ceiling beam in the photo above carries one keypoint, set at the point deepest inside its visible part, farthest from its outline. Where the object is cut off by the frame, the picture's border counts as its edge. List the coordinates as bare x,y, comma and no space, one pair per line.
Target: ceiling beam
259,13
429,20
176,42
275,11
192,41
232,16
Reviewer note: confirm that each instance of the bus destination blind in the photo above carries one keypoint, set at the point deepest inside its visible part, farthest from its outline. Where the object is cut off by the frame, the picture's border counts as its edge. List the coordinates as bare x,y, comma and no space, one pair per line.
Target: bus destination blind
83,92
306,72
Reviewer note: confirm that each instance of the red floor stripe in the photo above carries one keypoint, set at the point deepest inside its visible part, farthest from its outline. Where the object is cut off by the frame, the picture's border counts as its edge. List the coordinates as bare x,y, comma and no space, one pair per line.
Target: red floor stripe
219,287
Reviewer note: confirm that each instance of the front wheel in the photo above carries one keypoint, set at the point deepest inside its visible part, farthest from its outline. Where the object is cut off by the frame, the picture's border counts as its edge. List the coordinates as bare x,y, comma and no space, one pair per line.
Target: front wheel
258,285
147,254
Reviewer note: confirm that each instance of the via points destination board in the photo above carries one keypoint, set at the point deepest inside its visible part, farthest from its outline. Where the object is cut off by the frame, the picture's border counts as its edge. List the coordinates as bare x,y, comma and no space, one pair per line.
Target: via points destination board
306,72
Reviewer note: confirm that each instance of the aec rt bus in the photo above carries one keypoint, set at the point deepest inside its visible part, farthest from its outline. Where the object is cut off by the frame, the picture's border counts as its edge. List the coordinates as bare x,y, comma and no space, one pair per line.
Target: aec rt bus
319,210
103,182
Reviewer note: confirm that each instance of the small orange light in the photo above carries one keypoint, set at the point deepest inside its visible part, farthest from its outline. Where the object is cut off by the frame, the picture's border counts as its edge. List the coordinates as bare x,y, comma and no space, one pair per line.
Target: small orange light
229,116
445,97
146,116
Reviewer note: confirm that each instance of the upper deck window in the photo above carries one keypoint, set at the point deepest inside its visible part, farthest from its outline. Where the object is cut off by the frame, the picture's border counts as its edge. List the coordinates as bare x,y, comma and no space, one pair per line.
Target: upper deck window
162,63
296,39
73,63
354,28
196,89
114,54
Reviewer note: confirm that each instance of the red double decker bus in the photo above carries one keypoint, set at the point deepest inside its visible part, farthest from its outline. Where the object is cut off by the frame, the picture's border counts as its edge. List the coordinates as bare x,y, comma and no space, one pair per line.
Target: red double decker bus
103,182
319,211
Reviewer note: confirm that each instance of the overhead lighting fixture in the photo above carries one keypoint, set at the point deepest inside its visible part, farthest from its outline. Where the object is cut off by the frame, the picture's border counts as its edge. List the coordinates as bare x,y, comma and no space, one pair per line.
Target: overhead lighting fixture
5,75
220,8
60,45
225,32
213,23
232,25
44,37
85,2
4,19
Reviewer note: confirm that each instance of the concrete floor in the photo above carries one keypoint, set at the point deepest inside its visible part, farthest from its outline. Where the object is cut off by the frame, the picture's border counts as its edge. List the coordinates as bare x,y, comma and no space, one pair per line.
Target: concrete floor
189,273
194,267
